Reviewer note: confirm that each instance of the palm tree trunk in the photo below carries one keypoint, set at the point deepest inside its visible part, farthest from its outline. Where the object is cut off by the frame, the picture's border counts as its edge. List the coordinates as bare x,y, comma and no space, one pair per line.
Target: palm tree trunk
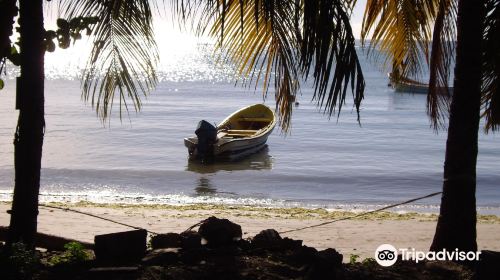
456,227
28,139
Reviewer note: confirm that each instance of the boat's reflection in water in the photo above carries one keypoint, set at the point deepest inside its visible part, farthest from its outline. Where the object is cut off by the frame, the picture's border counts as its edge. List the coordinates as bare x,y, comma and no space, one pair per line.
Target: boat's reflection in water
205,187
258,161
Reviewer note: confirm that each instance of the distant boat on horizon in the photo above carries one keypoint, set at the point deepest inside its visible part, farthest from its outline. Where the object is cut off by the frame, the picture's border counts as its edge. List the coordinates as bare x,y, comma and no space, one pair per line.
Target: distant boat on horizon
242,133
405,84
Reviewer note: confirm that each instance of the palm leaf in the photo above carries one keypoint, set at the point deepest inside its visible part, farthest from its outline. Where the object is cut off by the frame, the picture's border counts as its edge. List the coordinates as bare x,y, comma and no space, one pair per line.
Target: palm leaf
402,30
279,42
254,36
328,46
124,55
491,67
443,51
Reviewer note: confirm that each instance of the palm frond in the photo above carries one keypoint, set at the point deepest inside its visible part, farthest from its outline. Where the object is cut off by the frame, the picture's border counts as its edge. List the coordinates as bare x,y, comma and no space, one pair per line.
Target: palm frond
491,67
124,55
279,42
328,46
255,37
442,56
402,30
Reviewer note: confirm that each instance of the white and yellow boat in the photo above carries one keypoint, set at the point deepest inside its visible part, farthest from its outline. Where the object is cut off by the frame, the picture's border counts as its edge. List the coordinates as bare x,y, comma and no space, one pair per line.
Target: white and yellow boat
242,133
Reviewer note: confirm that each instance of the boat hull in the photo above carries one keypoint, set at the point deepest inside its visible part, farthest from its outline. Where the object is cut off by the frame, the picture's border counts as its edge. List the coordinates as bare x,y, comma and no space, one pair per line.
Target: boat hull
410,86
242,133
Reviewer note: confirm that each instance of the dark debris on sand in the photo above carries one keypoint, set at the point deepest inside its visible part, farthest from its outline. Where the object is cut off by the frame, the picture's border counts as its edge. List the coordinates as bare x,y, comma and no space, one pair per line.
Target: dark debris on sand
217,251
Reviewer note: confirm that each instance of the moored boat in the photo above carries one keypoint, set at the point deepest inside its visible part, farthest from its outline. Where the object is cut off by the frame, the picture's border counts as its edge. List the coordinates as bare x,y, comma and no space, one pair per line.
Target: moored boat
242,133
408,85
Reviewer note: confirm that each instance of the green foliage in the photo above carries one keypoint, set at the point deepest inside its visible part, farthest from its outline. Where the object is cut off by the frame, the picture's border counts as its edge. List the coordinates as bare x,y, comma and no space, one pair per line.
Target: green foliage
353,258
369,262
75,253
69,30
122,63
14,56
21,263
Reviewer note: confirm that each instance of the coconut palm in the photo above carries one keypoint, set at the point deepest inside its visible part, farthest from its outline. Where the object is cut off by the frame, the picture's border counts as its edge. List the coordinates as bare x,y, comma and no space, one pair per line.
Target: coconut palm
462,31
28,139
122,63
124,55
282,43
294,39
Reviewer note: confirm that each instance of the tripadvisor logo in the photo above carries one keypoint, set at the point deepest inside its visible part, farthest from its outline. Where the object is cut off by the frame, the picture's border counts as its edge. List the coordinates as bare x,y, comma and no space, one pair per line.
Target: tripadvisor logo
387,255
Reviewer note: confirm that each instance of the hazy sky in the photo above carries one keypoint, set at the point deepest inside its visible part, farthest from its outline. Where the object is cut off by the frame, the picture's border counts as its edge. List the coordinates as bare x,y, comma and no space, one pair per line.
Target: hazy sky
171,39
357,17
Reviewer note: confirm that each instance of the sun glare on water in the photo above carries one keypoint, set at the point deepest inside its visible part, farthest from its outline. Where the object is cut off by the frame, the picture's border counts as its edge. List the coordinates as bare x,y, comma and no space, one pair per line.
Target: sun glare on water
183,56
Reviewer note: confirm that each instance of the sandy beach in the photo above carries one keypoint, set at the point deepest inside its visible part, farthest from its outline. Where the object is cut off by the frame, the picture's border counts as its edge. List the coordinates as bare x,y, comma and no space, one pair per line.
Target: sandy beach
359,236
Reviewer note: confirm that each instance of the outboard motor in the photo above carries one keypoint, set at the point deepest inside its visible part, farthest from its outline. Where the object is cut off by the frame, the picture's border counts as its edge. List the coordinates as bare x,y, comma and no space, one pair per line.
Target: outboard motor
207,136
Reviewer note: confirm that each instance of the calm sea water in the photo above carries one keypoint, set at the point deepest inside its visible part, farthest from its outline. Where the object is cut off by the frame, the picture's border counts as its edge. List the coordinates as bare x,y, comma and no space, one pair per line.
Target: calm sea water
334,163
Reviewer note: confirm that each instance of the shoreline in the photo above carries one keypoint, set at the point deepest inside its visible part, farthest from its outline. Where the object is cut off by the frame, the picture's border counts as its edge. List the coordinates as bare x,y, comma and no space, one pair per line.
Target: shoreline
113,198
359,236
253,211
